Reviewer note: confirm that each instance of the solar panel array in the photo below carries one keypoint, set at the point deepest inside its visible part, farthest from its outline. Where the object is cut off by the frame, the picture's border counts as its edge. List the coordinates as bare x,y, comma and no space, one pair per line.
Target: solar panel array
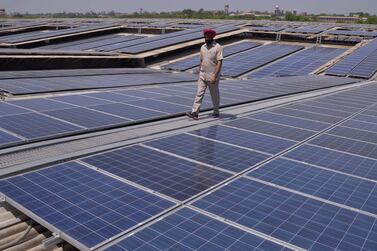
18,38
173,40
265,28
193,61
246,61
91,43
361,63
44,118
352,33
66,83
301,63
72,72
269,181
123,45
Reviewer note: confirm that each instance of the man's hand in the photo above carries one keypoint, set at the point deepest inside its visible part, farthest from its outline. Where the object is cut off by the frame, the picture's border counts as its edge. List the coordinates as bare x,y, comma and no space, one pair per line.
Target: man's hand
213,79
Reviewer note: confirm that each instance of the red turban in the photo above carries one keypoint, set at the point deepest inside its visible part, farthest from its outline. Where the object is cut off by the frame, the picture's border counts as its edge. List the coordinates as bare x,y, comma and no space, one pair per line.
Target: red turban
209,32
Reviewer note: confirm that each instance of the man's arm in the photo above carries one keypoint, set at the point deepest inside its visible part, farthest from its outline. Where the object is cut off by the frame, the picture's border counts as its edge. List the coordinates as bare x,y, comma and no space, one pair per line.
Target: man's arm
216,74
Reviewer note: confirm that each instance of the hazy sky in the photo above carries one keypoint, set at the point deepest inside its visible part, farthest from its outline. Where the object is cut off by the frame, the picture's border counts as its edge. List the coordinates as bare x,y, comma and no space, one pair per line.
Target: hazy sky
312,6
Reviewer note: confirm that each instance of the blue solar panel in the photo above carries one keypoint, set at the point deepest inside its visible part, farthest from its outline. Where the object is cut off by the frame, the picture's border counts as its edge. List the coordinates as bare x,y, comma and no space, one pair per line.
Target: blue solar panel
307,115
172,176
247,139
246,61
173,40
299,220
301,63
277,130
6,138
355,134
81,100
367,68
113,97
33,126
8,109
193,61
346,65
209,152
320,110
291,121
82,204
340,161
346,145
360,125
332,186
189,230
161,106
41,104
128,111
86,118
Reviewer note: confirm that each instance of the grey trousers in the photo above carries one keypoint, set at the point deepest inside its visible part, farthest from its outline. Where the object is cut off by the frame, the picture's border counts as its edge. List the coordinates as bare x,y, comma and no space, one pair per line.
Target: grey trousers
215,95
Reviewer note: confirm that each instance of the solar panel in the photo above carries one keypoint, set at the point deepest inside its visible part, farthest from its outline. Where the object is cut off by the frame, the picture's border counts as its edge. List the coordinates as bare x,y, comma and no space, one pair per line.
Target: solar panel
252,140
346,65
102,109
351,133
206,151
360,125
173,40
84,206
298,220
367,68
301,63
307,115
33,126
128,111
6,138
335,160
346,145
50,84
175,177
291,121
187,229
193,61
241,63
285,132
325,184
86,118
54,33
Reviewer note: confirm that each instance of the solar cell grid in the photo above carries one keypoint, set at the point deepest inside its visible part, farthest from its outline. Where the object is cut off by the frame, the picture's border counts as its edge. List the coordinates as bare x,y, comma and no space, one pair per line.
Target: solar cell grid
239,64
86,118
335,160
282,131
169,175
346,145
82,204
193,61
328,185
300,63
305,222
189,230
291,121
247,139
206,151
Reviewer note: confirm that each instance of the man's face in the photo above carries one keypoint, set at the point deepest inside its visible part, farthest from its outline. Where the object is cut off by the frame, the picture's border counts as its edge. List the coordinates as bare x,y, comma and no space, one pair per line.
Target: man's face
208,39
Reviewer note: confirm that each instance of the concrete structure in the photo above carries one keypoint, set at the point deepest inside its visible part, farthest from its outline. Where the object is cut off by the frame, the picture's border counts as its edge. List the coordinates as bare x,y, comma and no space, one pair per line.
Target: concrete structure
334,19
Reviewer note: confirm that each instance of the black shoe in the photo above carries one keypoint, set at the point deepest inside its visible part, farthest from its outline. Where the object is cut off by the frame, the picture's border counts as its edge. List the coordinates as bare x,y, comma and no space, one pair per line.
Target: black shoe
192,115
215,115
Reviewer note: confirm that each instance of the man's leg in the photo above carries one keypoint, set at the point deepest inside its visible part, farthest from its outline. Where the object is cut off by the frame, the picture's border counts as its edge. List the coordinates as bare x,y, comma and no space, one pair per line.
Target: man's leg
215,95
202,86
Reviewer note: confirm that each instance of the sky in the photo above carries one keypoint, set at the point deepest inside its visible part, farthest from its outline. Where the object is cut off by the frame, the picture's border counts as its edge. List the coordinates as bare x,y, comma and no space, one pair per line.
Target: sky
128,6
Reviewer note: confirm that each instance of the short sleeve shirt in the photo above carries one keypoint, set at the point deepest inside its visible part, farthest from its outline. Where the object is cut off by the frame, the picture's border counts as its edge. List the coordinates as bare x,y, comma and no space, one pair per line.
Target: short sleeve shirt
210,56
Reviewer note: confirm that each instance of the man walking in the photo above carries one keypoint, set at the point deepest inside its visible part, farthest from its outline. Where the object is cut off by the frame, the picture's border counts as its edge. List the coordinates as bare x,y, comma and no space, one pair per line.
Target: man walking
211,58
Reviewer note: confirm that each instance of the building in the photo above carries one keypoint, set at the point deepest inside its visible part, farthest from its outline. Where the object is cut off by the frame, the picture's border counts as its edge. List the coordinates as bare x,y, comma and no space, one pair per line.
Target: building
278,12
226,9
2,12
341,19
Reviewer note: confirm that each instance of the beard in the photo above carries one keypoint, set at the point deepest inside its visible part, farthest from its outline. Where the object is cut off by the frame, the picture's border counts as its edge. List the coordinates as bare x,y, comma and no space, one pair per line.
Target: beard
209,41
